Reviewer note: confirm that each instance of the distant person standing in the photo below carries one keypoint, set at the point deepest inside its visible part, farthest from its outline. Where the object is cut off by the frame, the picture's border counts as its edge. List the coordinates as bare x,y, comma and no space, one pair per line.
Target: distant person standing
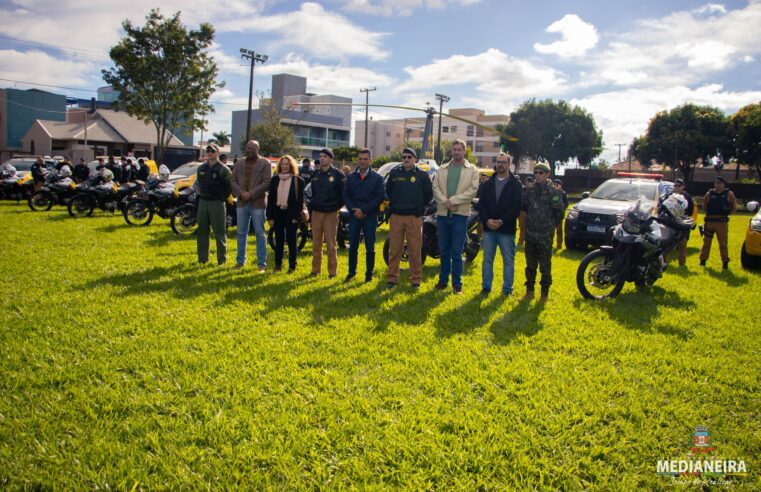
558,185
143,171
363,194
306,171
409,191
499,205
80,172
39,172
543,205
327,200
527,184
213,185
719,203
454,188
115,168
679,189
250,183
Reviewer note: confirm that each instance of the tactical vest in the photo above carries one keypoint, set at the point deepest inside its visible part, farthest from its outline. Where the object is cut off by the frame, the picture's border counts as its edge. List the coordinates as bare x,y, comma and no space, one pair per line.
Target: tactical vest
718,203
210,181
407,194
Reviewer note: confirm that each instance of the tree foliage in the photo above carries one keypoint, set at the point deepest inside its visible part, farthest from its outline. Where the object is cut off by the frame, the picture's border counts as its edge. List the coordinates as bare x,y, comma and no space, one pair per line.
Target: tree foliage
745,126
555,131
275,139
222,138
164,75
346,153
685,135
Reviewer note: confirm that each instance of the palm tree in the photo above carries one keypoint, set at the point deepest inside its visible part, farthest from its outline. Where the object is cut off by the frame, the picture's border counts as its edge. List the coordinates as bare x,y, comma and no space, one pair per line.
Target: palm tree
222,138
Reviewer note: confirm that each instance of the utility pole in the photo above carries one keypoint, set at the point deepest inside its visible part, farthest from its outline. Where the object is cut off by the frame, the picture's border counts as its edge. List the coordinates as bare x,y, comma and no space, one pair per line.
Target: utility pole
442,99
619,151
367,91
253,57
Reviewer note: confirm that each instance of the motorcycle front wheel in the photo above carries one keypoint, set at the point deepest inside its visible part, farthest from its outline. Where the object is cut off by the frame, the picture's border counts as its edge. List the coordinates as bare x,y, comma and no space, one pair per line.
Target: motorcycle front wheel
41,201
594,279
184,221
81,206
138,212
405,255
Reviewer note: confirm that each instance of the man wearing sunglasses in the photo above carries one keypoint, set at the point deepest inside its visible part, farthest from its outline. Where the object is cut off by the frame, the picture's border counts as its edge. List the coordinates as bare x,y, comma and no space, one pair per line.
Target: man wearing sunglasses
544,209
213,185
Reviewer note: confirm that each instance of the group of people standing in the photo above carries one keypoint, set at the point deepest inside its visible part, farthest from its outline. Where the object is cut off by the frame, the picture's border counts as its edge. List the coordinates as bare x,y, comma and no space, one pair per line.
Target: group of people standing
279,200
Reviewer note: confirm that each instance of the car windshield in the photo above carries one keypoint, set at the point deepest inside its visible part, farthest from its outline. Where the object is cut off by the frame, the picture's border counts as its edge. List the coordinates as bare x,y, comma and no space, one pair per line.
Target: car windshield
186,170
22,164
626,191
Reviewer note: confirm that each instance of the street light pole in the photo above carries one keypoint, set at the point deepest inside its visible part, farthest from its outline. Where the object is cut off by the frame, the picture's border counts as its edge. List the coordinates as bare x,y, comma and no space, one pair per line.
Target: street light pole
367,92
253,57
442,99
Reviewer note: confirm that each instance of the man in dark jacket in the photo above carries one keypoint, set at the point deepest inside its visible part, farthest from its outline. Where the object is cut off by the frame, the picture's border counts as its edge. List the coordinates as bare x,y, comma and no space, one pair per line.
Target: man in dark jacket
499,205
409,190
306,171
327,200
115,168
719,203
39,172
80,172
363,194
143,171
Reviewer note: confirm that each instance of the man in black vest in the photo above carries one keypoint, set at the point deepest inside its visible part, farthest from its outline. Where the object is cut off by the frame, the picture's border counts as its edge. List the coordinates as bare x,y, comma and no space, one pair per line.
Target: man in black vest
718,204
213,185
499,205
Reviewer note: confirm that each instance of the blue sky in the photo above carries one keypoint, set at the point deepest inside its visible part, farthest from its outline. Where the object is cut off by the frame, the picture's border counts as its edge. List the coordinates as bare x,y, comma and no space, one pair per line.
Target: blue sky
622,61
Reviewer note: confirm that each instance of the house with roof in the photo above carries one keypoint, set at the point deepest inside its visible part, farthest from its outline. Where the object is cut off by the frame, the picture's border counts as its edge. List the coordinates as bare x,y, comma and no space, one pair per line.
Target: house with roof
104,132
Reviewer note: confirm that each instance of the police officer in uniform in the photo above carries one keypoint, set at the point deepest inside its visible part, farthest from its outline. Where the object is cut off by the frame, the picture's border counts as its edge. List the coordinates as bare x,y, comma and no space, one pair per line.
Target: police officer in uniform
143,171
544,209
306,171
39,171
115,168
213,185
409,190
718,204
80,172
679,189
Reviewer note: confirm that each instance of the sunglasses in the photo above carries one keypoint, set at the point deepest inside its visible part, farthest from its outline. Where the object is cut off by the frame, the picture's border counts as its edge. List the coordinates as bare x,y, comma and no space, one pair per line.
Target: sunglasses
209,149
539,172
407,156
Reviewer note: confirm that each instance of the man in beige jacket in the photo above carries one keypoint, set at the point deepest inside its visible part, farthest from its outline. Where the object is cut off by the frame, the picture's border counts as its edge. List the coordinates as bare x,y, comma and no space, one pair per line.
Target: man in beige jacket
251,181
454,188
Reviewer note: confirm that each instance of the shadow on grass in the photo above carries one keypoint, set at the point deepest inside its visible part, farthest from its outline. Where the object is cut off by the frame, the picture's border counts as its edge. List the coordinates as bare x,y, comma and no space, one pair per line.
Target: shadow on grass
639,310
522,319
467,317
726,276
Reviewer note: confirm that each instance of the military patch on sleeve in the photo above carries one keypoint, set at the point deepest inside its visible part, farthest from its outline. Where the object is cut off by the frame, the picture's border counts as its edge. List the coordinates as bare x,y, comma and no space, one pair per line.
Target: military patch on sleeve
555,198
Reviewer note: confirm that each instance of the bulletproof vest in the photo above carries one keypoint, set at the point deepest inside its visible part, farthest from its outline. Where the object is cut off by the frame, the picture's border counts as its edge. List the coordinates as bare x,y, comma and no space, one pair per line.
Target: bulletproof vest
718,203
210,182
407,194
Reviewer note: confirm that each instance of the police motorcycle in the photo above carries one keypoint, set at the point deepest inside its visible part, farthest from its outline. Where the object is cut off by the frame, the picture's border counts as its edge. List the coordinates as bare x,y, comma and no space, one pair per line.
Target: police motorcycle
157,197
638,249
184,219
101,191
12,187
59,189
430,245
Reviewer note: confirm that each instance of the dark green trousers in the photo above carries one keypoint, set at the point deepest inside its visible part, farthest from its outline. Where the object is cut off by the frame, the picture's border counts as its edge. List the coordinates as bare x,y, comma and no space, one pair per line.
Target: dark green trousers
212,215
539,253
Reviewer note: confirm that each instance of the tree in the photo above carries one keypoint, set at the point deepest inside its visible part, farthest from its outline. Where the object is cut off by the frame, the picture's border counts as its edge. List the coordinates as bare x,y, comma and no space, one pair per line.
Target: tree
446,147
687,134
164,75
555,131
746,130
640,149
346,153
275,139
222,138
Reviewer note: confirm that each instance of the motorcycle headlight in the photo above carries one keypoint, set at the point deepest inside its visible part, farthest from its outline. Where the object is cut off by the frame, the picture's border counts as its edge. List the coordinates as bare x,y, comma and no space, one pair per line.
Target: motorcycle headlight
573,214
619,218
632,225
755,224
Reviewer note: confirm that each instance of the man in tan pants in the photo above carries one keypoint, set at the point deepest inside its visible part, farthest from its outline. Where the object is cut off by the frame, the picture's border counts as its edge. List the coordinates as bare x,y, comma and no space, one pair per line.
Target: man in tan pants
718,204
409,190
327,190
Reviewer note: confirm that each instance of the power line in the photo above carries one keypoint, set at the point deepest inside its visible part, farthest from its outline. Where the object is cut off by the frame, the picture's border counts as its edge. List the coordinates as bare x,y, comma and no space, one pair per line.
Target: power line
36,109
83,52
48,85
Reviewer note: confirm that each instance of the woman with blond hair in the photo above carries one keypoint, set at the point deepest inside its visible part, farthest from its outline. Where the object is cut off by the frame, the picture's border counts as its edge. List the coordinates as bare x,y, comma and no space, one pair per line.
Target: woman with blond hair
286,200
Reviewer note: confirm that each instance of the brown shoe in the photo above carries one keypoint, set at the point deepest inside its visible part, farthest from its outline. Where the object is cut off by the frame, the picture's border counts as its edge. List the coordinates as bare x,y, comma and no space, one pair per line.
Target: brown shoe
238,266
528,296
543,299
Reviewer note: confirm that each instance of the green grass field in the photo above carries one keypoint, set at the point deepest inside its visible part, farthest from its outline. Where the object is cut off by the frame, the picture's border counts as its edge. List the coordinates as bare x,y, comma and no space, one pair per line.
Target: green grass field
127,366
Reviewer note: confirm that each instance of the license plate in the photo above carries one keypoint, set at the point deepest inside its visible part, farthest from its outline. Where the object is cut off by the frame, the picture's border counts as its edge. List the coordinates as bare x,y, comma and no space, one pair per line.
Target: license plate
595,228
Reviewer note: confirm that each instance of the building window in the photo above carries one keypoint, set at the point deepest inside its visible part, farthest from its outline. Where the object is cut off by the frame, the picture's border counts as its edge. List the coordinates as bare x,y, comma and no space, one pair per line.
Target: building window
398,135
469,131
470,143
495,145
388,134
327,110
453,128
444,129
479,147
479,132
494,160
388,147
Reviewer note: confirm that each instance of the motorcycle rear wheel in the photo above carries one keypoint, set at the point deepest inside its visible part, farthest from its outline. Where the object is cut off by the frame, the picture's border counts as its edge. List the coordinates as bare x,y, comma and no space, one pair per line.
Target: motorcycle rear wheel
592,277
184,221
81,206
137,212
41,201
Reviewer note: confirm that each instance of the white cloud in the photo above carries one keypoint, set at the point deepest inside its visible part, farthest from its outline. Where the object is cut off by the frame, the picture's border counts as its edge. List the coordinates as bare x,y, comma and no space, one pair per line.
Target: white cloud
492,72
313,30
400,8
25,66
710,54
711,8
577,37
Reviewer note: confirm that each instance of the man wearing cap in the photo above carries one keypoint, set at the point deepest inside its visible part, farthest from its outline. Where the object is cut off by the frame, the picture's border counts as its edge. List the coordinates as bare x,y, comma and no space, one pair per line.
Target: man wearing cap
213,185
454,188
718,204
409,190
679,189
250,183
306,171
363,194
327,200
558,185
498,207
543,205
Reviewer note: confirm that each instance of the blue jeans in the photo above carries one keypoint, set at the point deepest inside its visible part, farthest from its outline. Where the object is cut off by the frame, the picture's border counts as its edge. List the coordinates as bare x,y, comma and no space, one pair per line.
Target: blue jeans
451,232
506,243
246,216
367,226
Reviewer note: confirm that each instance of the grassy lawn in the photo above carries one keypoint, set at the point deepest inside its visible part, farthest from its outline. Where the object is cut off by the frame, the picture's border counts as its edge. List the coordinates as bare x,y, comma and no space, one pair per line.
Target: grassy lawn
124,364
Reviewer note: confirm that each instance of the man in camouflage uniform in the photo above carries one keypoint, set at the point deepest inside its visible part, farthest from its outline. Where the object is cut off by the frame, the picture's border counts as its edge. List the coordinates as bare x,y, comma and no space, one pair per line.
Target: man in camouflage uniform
543,205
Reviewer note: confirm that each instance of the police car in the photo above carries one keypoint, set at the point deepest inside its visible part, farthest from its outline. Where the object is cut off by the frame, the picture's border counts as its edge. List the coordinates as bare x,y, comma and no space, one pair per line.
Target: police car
750,255
589,221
